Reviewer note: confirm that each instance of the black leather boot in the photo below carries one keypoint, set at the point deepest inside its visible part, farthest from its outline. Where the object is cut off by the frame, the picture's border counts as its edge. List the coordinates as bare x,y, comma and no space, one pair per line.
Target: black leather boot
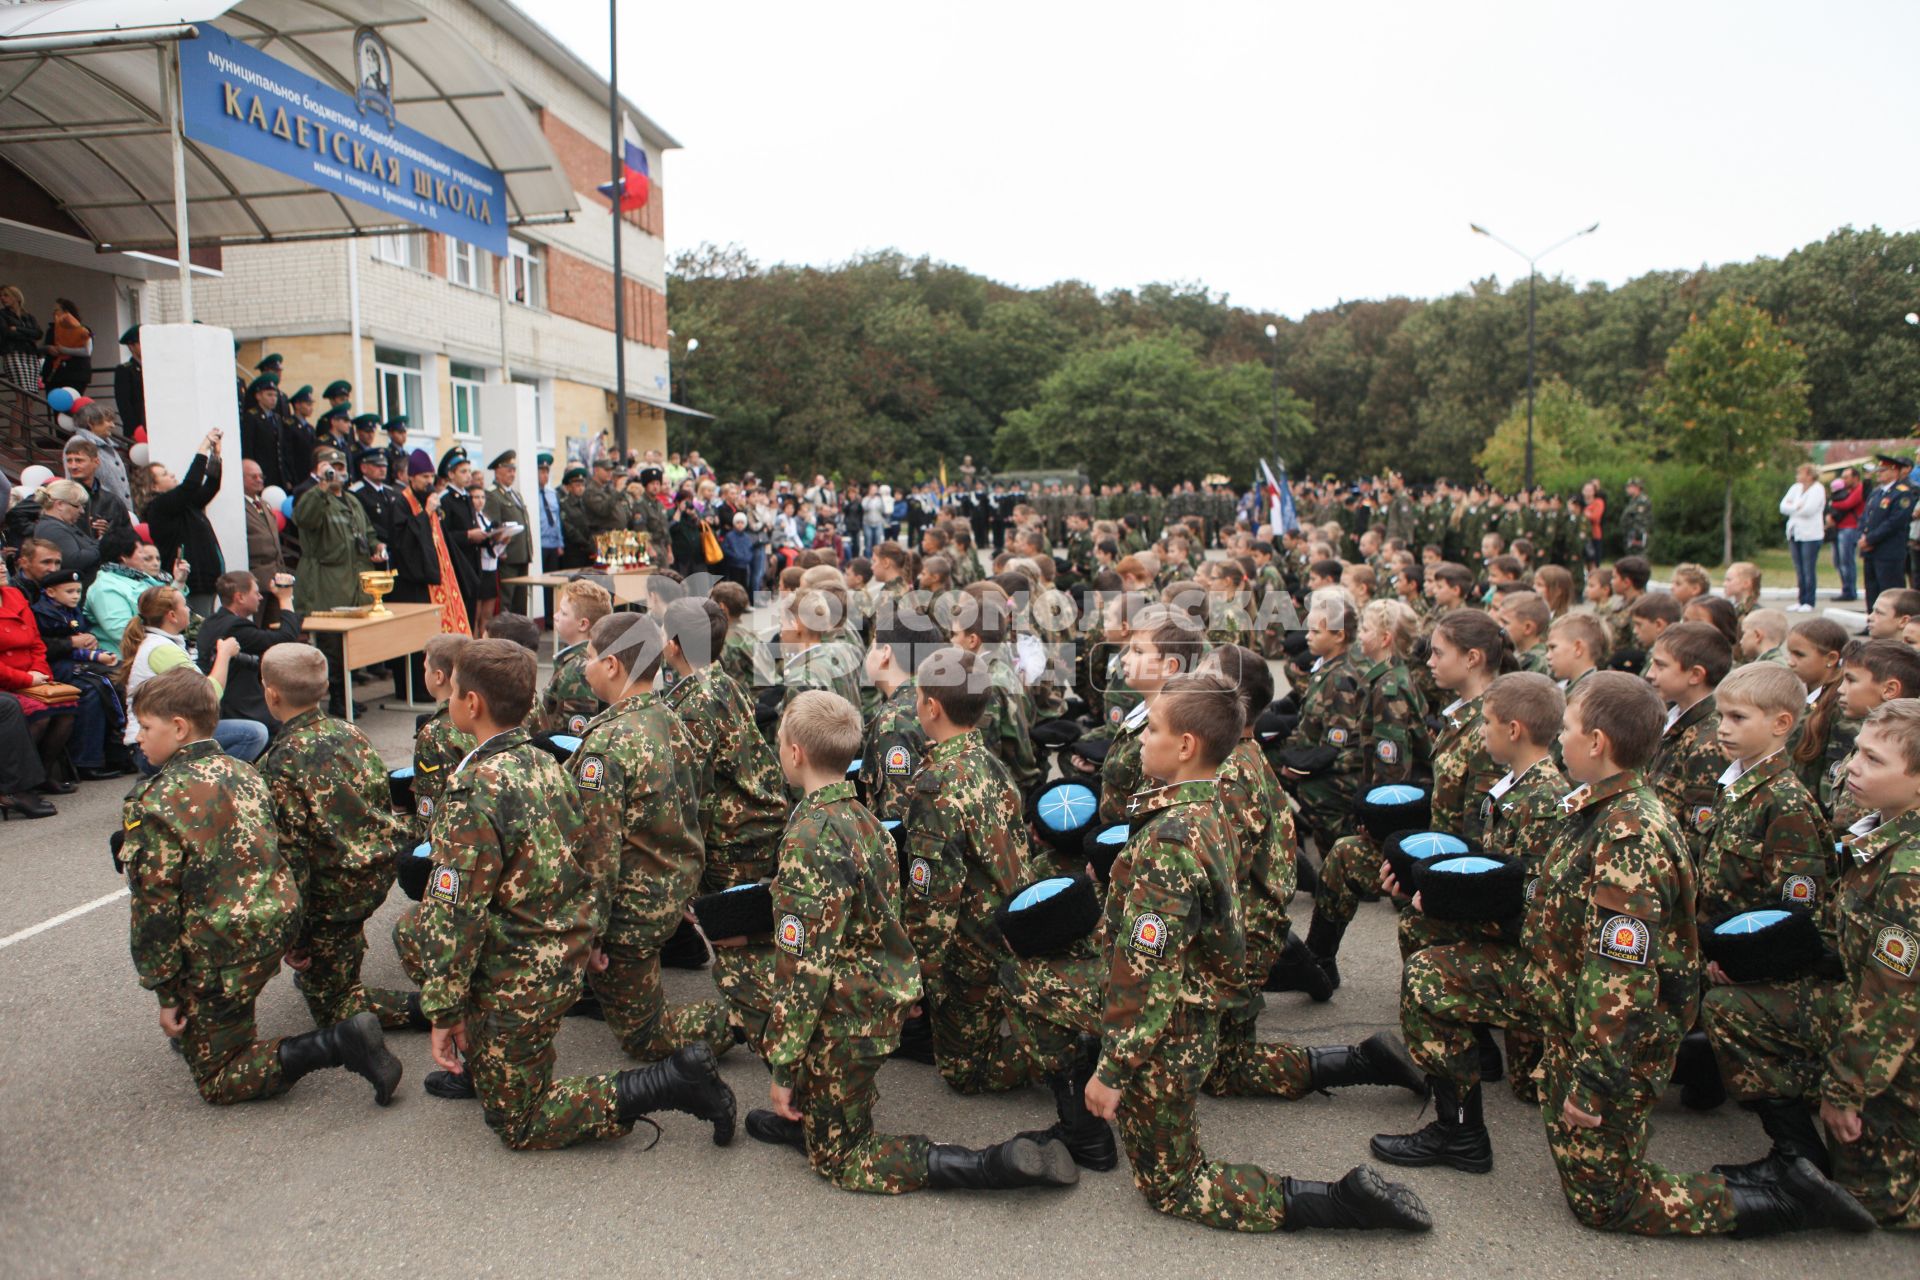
916,1040
1698,1074
1457,1137
1087,1137
687,1081
1493,1068
417,1019
1018,1162
1803,1199
1323,940
1361,1201
1379,1059
454,1086
356,1044
776,1131
1306,879
1298,969
1789,1122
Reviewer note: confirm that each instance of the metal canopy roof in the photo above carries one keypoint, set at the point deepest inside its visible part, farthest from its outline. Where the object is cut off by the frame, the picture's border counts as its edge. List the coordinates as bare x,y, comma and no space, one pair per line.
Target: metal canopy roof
83,113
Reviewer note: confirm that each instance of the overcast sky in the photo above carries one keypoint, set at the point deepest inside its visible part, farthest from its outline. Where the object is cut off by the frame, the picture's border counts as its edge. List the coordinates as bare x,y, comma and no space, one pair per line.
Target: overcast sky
1288,154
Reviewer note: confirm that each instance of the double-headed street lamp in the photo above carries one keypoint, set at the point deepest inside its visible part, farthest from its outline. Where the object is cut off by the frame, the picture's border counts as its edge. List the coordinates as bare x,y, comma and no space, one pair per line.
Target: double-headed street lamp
1273,336
1532,275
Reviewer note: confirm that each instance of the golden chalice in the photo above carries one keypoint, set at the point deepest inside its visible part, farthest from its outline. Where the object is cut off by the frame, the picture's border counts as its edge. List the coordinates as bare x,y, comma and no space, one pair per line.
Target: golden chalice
377,583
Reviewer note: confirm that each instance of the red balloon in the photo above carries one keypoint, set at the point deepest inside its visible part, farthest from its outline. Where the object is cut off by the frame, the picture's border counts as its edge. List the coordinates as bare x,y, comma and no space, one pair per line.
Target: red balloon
280,519
139,435
141,529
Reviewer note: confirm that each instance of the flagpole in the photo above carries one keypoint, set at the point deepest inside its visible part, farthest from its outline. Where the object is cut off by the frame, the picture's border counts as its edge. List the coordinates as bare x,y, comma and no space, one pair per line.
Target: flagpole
618,151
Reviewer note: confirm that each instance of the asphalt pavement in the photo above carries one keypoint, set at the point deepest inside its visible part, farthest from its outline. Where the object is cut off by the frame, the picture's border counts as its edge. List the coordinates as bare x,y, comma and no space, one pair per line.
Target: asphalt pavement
110,1165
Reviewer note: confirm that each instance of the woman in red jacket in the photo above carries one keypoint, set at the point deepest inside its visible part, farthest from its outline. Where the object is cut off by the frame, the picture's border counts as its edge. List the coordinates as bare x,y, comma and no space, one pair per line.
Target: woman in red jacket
23,664
1844,505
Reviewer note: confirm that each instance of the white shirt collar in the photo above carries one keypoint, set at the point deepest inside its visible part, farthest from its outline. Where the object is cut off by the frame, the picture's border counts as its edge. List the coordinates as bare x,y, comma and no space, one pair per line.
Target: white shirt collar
1813,695
1674,713
1507,783
1865,825
1454,706
1317,664
1735,771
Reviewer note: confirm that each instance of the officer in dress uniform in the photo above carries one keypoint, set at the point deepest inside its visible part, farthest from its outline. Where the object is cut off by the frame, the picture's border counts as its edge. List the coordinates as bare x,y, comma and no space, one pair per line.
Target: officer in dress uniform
504,505
381,500
1883,527
398,450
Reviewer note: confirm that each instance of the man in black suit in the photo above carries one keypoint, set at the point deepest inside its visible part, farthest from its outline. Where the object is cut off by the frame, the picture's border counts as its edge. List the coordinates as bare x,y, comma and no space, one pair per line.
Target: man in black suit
239,595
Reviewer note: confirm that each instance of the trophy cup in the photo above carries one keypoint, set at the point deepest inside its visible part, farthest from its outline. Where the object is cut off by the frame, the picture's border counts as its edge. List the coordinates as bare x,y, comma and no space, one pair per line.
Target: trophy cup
376,583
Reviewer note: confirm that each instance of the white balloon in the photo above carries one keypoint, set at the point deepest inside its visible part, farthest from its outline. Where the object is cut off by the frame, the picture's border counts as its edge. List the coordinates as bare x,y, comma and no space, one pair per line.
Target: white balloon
35,476
274,496
138,455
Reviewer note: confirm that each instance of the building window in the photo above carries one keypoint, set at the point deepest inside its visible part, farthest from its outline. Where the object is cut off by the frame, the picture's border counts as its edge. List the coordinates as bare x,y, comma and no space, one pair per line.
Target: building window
396,374
401,248
542,423
468,265
466,380
529,284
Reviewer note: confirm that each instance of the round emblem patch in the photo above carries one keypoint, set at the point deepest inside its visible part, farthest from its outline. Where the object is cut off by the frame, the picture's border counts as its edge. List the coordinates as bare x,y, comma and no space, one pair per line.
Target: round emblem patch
425,807
1799,890
1625,938
920,874
577,724
446,885
1149,934
1894,948
899,760
593,771
792,935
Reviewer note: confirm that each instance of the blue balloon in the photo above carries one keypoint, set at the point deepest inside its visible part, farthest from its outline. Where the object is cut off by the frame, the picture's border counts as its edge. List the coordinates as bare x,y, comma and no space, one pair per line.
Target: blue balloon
1396,793
423,850
1751,921
1040,892
1431,844
1068,807
286,506
1464,866
61,399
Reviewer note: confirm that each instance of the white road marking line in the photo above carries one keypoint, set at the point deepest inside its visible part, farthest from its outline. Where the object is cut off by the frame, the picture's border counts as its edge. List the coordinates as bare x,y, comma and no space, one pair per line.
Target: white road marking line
60,919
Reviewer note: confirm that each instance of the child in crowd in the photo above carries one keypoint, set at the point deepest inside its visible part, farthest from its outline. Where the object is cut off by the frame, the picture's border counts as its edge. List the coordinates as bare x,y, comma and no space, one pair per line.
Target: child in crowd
1871,672
438,744
1763,636
1825,735
1688,662
567,704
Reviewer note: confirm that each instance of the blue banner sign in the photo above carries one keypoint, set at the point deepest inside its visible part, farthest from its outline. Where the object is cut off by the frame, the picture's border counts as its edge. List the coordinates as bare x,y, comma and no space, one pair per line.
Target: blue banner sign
260,109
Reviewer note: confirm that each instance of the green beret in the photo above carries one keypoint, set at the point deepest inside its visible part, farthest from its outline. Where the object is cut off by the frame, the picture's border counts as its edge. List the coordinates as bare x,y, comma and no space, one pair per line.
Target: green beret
270,358
304,393
337,388
130,337
572,474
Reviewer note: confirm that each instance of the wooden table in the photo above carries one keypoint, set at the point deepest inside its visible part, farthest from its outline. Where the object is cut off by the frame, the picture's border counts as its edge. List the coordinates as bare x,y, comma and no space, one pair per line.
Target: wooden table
628,586
364,642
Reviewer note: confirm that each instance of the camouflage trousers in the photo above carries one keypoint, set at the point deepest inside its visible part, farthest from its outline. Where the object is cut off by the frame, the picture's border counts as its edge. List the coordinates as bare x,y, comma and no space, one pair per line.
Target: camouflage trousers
1050,1002
1416,932
1609,1182
968,1049
510,1055
1158,1127
637,1012
834,1091
744,976
1771,1040
1326,811
331,986
230,1063
1447,991
1349,871
1246,1066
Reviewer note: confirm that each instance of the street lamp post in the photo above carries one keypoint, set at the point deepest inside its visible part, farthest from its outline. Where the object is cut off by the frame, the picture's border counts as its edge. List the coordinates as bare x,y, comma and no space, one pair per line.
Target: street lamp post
1273,336
1532,261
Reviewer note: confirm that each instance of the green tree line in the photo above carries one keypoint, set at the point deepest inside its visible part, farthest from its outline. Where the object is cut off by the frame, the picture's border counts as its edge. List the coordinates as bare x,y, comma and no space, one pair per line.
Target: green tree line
886,365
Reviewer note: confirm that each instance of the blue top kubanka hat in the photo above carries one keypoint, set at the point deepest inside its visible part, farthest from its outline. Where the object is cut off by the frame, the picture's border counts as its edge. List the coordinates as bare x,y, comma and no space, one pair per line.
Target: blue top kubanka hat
1062,811
1049,916
1770,945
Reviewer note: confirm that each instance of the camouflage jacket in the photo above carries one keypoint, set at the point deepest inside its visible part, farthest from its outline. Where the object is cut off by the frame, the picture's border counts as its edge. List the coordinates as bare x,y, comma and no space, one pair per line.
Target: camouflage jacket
1007,726
1613,951
606,509
965,851
210,889
822,666
1765,845
1876,906
1120,772
1520,816
1228,622
507,916
1394,725
1118,697
438,749
743,802
1333,710
737,657
1463,772
336,820
639,841
1535,660
894,749
1174,933
1685,771
843,968
1835,800
568,702
1267,872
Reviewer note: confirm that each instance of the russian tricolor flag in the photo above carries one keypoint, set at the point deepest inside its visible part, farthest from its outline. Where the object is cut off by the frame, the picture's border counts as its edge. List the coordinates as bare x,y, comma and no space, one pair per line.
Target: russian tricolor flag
634,183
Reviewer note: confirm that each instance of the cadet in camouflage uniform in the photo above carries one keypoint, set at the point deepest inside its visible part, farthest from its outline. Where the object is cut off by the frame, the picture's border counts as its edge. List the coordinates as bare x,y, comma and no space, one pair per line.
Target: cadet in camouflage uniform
964,846
337,835
743,806
895,744
1332,708
981,622
214,906
1636,519
1766,845
438,748
567,703
1685,769
1450,990
1178,958
500,940
641,842
814,659
843,982
605,502
1616,963
1847,1041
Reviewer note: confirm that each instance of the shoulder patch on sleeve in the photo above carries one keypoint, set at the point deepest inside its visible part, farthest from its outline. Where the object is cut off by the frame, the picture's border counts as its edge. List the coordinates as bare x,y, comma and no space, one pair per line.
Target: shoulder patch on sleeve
1388,750
1702,816
1149,935
899,761
1800,891
1337,736
593,772
1895,949
792,935
445,886
576,724
920,876
1625,938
